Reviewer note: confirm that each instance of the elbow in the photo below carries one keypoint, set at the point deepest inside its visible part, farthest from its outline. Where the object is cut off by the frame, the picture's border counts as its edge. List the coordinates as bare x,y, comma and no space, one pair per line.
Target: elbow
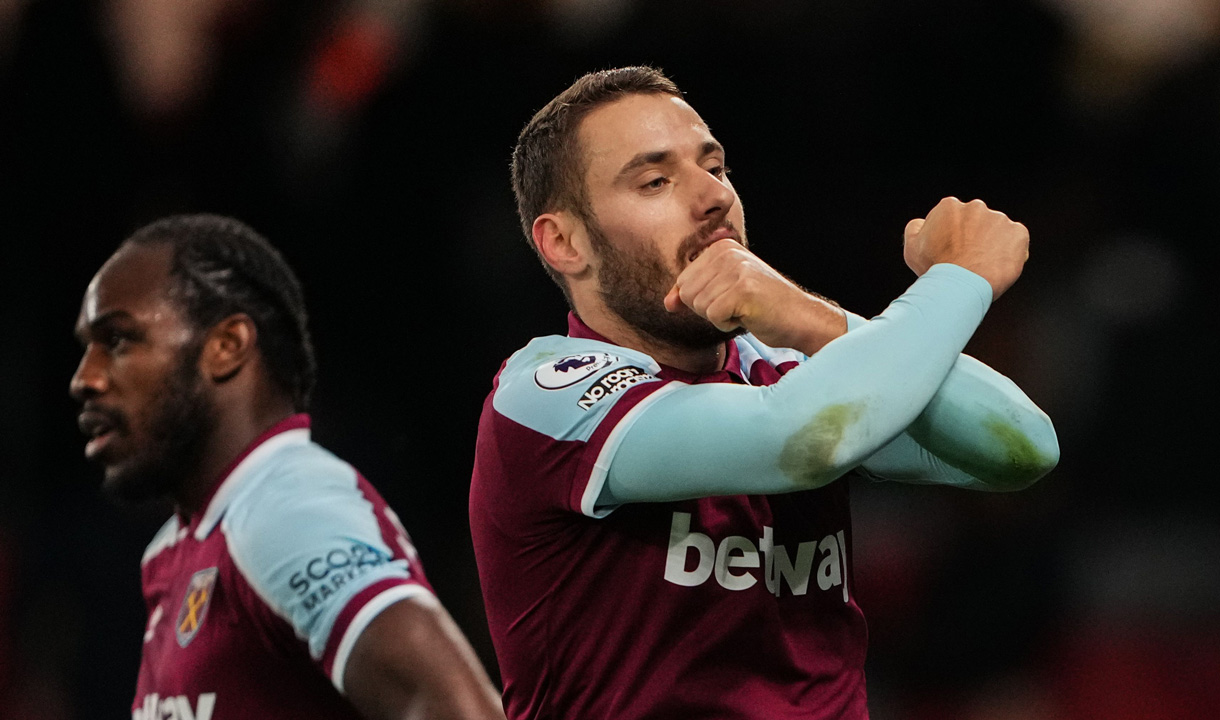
1046,450
1048,455
1020,476
1027,457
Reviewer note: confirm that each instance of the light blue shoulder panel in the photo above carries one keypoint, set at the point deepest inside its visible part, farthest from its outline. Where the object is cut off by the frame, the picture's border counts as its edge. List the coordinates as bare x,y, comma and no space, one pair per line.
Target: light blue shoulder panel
562,387
307,540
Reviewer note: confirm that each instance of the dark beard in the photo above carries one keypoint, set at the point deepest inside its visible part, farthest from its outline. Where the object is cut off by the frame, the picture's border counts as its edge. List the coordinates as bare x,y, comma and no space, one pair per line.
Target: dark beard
634,288
178,433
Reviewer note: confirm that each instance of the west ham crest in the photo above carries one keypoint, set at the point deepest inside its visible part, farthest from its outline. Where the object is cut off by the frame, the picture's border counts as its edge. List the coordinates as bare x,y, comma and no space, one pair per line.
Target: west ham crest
195,605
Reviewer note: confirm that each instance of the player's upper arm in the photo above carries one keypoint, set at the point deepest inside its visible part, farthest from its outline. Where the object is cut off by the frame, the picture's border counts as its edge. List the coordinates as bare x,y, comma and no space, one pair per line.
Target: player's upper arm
564,388
412,661
571,394
310,546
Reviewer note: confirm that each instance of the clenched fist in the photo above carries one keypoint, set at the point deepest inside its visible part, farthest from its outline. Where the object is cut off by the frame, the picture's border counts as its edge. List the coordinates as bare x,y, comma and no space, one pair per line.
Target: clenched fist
730,287
970,234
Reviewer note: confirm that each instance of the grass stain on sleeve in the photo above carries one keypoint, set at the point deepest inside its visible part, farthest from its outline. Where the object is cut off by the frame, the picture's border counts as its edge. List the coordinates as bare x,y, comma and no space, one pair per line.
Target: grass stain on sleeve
1008,460
1022,459
811,450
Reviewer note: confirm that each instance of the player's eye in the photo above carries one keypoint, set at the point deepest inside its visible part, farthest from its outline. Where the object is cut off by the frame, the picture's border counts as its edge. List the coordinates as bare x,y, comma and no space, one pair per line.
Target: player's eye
115,340
720,171
656,183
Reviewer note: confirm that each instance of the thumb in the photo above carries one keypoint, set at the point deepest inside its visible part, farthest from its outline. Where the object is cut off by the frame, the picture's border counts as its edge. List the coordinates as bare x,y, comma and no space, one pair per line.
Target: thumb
912,229
673,301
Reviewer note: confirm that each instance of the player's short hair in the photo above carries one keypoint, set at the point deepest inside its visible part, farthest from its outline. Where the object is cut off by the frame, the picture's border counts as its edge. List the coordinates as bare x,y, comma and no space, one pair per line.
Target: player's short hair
548,165
220,266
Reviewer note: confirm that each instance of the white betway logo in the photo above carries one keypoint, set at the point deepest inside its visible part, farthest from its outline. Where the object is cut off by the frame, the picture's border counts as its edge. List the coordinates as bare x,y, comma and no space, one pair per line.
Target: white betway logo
731,560
156,707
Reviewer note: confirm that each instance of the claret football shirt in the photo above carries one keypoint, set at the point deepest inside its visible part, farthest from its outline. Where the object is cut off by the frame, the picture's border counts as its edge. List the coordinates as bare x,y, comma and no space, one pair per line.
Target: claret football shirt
255,603
723,607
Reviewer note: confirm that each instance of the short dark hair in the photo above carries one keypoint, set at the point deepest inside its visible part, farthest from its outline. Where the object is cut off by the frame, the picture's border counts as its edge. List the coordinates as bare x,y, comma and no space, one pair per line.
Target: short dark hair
548,166
220,266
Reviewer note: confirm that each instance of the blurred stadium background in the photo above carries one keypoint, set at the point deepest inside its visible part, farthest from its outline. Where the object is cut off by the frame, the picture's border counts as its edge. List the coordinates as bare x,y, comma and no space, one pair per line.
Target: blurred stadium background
369,139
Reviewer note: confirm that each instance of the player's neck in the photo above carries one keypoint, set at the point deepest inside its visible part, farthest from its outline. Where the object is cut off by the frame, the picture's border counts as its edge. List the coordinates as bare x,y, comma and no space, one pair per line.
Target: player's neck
697,361
235,431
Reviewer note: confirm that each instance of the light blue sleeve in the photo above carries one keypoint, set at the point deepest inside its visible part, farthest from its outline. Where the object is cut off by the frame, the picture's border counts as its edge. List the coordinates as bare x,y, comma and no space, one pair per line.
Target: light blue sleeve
820,420
979,431
308,541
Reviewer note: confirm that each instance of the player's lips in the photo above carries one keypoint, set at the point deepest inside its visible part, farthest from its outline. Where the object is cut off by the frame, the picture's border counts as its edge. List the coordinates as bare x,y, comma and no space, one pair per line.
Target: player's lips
100,427
720,234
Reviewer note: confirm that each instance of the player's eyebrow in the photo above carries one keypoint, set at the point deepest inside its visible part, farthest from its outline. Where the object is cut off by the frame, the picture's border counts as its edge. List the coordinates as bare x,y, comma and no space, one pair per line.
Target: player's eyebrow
660,157
656,157
86,330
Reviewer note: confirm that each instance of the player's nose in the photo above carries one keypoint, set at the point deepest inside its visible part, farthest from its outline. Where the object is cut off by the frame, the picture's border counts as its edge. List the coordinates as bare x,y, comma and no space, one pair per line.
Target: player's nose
713,196
91,378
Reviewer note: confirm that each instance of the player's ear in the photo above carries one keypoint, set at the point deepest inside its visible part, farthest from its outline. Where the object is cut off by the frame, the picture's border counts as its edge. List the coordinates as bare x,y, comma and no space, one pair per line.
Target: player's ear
229,345
562,241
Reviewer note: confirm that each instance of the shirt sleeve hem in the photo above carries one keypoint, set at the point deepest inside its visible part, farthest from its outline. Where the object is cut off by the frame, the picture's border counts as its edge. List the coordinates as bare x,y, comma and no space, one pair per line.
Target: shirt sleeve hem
601,465
369,610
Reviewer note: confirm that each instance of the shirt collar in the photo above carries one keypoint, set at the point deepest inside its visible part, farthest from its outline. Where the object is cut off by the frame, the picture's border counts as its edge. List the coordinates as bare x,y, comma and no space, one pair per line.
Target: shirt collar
732,363
292,430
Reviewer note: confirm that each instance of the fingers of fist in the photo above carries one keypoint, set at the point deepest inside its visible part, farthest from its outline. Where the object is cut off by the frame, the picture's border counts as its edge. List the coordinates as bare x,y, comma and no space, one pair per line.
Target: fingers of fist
955,231
716,290
726,284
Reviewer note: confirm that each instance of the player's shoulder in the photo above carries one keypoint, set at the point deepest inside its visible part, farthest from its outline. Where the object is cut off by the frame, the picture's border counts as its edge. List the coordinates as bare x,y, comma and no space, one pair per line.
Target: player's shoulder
560,364
561,360
299,501
555,384
296,479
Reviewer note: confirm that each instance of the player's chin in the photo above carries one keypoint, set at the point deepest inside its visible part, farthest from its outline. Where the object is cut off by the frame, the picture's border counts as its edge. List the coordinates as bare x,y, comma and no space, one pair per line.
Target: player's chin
130,482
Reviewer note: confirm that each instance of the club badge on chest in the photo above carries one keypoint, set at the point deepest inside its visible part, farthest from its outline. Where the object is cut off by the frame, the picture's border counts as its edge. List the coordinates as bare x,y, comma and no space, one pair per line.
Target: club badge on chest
195,605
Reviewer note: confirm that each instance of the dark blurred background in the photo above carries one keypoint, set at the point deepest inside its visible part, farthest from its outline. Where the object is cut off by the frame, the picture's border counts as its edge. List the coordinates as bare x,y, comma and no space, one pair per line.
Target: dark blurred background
370,139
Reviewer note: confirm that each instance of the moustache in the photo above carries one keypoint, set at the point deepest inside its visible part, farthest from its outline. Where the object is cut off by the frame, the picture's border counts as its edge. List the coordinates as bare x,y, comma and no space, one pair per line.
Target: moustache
693,244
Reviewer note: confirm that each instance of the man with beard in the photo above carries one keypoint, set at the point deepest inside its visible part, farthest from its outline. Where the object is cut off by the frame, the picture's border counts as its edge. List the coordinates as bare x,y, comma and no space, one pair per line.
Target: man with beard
283,586
654,510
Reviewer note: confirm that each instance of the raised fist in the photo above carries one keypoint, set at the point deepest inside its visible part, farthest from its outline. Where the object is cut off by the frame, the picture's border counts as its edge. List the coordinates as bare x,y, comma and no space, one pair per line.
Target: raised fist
971,235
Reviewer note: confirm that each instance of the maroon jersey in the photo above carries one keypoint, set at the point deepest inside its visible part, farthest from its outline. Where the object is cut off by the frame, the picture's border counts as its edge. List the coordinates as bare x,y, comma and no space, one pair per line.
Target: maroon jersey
721,607
256,602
